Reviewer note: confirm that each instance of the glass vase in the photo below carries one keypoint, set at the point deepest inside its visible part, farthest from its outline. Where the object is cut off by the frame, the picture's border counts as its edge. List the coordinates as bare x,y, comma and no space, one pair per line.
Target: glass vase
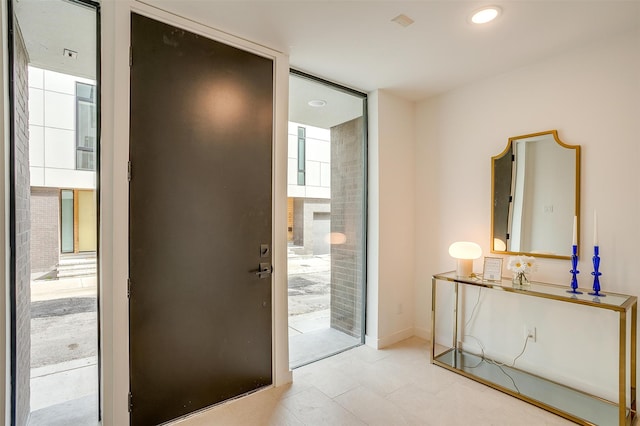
520,279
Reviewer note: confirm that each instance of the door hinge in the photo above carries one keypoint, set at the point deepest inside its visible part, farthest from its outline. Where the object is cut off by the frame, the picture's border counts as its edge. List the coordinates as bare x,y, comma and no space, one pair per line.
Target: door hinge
128,287
130,402
508,236
130,56
129,171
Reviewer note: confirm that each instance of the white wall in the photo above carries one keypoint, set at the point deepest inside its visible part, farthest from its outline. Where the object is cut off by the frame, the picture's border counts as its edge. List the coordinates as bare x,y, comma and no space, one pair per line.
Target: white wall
592,97
391,242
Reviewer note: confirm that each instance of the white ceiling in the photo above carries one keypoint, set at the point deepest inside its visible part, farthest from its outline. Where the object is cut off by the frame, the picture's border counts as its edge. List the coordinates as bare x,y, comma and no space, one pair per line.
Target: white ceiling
50,26
340,106
356,44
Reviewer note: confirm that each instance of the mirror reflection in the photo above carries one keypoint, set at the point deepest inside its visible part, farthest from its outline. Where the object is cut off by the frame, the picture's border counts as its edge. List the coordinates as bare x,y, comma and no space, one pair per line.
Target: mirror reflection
535,190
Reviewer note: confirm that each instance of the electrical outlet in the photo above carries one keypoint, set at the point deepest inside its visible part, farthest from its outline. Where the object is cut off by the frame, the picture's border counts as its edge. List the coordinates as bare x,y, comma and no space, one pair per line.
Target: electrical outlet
530,332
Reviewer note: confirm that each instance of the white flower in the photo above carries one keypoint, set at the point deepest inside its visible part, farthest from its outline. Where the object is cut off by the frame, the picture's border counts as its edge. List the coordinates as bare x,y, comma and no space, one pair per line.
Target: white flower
520,264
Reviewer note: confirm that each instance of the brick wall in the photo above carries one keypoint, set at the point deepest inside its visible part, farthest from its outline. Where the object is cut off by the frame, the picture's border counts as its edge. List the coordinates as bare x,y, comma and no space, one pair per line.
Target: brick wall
22,224
347,215
45,229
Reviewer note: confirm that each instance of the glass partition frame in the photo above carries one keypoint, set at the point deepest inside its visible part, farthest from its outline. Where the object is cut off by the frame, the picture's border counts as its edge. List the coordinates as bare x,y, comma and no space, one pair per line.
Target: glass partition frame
94,6
335,239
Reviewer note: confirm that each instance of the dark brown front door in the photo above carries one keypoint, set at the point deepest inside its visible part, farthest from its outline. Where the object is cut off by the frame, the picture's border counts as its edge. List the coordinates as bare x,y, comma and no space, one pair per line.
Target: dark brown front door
200,222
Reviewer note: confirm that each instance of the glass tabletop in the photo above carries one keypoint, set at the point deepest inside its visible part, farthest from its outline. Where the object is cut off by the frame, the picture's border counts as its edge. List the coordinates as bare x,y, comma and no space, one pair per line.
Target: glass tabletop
613,301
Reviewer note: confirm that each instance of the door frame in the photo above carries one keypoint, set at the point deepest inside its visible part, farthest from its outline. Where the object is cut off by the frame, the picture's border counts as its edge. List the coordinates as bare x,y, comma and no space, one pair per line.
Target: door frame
116,25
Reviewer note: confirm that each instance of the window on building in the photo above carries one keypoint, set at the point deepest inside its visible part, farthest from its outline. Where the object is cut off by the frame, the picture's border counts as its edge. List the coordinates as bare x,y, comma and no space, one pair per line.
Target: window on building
86,128
302,140
66,220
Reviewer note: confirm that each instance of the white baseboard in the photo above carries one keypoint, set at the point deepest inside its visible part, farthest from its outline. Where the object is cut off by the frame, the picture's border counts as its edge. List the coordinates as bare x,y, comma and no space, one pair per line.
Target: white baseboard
389,340
283,378
370,341
423,333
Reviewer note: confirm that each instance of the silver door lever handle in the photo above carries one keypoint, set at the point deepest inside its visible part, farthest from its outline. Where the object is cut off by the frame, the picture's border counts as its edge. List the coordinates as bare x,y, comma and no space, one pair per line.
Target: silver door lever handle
264,270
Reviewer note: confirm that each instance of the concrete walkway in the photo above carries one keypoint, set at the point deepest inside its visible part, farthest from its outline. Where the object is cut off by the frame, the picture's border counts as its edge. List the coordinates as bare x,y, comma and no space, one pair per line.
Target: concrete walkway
60,288
64,340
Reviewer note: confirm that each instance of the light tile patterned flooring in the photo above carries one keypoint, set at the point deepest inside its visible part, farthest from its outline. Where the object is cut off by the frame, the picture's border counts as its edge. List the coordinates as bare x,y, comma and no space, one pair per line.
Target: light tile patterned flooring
364,386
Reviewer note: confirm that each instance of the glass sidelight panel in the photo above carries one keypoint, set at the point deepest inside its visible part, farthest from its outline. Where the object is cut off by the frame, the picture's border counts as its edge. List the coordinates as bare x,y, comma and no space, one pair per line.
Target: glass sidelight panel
54,293
326,214
66,220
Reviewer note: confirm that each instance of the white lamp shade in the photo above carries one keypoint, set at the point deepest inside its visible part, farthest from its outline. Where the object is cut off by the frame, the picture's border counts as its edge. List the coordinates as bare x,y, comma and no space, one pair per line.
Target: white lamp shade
465,250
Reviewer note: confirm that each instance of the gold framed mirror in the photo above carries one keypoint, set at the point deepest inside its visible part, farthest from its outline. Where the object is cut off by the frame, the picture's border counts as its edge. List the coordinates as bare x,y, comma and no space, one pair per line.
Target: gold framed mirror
535,194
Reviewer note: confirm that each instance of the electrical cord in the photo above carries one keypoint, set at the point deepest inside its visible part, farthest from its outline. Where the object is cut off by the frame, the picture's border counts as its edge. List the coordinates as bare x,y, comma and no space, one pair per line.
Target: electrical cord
474,308
490,361
524,348
483,358
513,363
510,378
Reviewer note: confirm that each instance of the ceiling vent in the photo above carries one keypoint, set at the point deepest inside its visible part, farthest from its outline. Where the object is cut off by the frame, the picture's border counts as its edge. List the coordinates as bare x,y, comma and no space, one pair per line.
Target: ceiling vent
71,54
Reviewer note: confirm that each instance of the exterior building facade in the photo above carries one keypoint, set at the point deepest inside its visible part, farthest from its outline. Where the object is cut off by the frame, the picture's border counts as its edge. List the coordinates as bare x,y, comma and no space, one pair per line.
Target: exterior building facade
62,165
326,197
309,189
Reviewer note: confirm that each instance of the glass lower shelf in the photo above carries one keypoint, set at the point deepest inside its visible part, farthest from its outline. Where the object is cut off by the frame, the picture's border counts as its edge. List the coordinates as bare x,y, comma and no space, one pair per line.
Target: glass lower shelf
571,403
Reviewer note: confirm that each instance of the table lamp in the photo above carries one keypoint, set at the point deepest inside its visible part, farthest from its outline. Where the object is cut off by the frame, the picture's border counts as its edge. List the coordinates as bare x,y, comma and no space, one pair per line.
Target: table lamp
464,252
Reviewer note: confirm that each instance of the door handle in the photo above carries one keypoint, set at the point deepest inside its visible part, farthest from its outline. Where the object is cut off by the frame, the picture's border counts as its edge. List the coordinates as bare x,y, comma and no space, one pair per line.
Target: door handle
265,269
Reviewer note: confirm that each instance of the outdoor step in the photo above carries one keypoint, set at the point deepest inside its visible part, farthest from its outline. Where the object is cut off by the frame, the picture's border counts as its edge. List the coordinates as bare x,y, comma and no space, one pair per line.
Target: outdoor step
77,261
76,272
76,265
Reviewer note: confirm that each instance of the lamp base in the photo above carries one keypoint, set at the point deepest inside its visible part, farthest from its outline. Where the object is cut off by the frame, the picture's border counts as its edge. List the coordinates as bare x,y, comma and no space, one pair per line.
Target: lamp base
464,268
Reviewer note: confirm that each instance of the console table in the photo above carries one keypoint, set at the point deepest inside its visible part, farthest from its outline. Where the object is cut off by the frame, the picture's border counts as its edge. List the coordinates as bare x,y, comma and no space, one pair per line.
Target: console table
560,399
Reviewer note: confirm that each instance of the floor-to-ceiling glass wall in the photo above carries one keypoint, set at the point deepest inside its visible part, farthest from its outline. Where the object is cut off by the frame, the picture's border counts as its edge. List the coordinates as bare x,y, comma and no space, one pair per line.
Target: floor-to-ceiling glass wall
326,218
55,105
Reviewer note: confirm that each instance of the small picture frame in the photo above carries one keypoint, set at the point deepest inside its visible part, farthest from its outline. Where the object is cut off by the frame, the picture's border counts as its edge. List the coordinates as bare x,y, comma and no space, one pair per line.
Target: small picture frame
492,269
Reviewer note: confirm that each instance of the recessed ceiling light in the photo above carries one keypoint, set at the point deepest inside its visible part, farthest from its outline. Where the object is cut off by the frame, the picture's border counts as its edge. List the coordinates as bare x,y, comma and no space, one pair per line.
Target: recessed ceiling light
403,20
317,103
486,14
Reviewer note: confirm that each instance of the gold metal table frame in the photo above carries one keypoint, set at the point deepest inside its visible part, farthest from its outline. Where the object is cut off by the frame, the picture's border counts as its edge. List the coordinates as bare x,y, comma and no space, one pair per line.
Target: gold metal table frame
584,409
